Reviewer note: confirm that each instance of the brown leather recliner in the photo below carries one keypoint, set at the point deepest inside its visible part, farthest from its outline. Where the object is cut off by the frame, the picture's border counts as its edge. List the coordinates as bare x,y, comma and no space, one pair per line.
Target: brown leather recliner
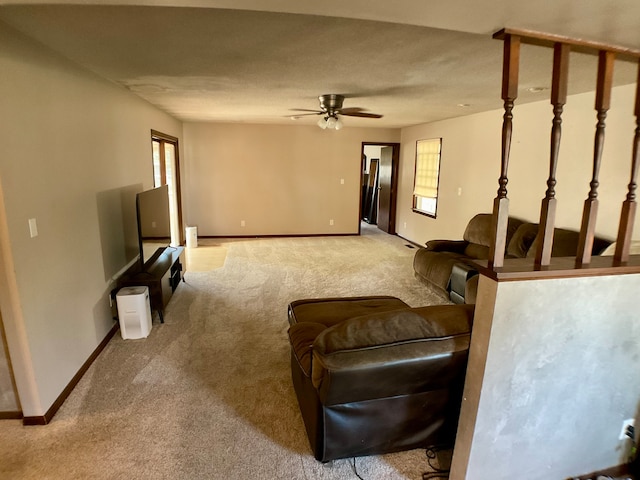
374,376
435,263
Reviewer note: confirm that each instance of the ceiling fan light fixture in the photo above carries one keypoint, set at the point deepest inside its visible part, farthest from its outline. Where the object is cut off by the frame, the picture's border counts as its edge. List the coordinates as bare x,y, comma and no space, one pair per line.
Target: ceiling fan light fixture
331,112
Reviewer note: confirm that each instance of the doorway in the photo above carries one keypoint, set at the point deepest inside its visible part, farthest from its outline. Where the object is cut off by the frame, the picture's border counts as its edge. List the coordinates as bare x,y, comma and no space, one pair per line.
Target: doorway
166,171
379,182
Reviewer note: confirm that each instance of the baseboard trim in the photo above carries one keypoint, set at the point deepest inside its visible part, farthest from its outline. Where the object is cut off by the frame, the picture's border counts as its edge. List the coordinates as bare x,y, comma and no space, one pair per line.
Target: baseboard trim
290,235
410,241
47,417
17,415
34,420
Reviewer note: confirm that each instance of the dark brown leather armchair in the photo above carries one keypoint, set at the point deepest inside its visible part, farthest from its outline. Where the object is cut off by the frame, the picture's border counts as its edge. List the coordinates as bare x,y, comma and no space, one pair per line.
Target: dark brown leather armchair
374,376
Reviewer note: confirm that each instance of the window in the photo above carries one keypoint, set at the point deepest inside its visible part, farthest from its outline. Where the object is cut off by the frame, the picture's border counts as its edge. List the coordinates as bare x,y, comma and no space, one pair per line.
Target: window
425,186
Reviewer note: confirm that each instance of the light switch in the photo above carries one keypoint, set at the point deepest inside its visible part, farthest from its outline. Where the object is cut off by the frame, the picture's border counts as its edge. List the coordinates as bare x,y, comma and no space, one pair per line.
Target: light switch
33,227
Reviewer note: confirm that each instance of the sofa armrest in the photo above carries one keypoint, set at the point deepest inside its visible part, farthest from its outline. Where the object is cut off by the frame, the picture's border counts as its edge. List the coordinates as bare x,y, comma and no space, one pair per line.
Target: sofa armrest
392,353
456,246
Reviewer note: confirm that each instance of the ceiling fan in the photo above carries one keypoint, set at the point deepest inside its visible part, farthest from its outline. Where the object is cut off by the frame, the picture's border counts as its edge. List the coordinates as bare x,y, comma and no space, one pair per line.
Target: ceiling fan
330,108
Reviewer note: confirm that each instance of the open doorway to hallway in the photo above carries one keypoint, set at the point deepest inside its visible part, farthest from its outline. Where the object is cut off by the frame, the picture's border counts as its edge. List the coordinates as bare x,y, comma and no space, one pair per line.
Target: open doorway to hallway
379,180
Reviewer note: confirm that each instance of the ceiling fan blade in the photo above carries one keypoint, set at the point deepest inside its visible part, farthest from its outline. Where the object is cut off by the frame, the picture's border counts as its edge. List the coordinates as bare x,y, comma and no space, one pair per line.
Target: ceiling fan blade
298,115
361,114
347,111
317,112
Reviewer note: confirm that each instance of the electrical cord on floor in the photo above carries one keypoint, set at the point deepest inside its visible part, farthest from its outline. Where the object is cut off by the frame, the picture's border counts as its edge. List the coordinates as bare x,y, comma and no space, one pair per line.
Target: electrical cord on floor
355,470
432,453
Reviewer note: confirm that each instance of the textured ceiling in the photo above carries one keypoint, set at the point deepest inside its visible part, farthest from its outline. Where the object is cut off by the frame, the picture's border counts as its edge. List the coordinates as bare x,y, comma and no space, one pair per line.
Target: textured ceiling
209,64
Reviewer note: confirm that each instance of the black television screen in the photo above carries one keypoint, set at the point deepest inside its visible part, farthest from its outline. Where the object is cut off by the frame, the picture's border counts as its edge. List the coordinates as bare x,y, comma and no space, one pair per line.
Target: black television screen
154,224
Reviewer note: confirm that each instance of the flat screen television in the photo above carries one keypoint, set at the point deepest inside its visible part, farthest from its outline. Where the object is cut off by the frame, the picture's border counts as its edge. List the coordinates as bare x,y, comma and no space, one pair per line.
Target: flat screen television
154,223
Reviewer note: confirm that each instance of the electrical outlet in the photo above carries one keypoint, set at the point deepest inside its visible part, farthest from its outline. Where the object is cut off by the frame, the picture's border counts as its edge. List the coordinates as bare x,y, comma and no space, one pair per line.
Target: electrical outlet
629,422
331,222
242,223
33,227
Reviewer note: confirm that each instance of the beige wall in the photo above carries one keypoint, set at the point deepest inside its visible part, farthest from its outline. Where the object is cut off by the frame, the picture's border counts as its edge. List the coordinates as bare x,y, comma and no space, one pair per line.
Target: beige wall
471,162
73,147
279,179
75,144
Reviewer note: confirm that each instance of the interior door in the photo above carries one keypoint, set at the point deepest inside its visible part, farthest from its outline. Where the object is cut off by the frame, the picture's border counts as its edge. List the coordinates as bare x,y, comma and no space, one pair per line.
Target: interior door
386,200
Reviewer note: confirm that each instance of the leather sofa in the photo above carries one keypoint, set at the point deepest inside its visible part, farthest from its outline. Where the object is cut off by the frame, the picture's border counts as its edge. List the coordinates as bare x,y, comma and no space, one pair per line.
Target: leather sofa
434,263
374,376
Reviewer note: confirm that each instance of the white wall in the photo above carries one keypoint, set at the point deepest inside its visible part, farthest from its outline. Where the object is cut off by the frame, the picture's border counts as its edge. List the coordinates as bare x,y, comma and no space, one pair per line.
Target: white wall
471,161
72,143
279,179
372,152
550,381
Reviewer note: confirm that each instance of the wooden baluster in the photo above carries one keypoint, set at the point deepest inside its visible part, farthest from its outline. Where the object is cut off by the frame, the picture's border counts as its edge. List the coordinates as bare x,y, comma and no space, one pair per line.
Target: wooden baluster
590,211
628,215
501,203
558,99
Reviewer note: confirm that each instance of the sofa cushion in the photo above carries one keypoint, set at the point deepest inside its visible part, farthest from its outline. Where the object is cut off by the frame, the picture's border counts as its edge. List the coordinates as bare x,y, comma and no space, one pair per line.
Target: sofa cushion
384,329
522,240
435,267
478,230
478,252
329,311
565,244
456,246
309,317
403,352
478,233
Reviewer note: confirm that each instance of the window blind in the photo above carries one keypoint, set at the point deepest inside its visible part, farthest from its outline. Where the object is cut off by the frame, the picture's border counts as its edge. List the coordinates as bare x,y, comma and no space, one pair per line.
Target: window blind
427,166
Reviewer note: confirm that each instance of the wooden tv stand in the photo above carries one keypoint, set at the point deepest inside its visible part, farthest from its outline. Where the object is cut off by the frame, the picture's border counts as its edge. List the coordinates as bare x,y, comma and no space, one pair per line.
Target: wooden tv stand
161,273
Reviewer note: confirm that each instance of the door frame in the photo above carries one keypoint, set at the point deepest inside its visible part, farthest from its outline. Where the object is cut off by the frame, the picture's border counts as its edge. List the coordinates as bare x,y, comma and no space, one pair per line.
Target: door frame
395,163
157,136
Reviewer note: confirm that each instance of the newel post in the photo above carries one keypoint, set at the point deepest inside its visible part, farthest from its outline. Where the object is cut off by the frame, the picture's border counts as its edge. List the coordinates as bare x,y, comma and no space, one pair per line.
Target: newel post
510,69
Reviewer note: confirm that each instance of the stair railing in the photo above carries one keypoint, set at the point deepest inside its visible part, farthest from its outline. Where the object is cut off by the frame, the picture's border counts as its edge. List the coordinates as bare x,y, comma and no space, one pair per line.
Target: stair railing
562,47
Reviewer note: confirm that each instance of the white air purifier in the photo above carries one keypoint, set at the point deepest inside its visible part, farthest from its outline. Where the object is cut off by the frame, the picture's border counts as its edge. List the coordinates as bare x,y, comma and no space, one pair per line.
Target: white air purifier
192,237
134,312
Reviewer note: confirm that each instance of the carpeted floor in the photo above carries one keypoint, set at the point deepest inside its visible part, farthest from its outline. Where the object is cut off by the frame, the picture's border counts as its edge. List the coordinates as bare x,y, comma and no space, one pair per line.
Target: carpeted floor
208,394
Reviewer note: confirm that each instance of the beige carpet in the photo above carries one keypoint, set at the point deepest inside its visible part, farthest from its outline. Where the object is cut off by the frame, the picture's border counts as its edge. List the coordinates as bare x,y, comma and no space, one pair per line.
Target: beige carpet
208,256
208,395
